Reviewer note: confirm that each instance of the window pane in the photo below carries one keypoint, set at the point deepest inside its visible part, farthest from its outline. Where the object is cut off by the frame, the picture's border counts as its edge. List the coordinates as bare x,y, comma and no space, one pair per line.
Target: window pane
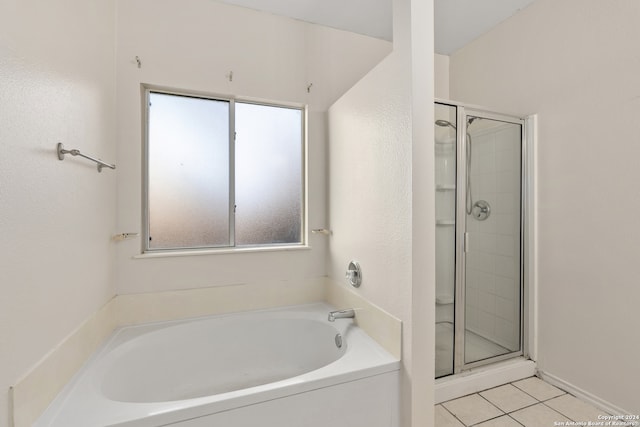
188,172
268,174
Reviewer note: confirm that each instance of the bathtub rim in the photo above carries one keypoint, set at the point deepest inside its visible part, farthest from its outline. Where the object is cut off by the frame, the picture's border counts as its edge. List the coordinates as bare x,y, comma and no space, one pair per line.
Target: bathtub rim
119,358
125,333
200,407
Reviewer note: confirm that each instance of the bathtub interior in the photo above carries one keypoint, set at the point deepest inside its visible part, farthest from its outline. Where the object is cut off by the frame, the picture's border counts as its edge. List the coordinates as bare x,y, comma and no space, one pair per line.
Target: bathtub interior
126,384
136,372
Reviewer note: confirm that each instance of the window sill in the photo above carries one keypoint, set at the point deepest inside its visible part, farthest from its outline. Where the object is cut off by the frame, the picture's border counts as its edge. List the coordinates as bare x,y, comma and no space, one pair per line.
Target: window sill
199,252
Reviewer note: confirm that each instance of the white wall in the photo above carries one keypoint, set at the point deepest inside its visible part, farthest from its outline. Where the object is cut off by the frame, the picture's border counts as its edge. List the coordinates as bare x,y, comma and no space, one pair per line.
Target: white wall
441,72
56,218
60,87
272,58
575,63
371,131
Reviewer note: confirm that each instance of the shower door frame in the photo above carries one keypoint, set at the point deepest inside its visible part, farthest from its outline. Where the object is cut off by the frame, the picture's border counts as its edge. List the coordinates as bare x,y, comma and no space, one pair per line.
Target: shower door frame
463,112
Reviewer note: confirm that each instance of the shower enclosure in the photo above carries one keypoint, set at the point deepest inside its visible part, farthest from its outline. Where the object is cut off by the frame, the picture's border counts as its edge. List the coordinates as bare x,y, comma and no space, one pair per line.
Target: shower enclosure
479,237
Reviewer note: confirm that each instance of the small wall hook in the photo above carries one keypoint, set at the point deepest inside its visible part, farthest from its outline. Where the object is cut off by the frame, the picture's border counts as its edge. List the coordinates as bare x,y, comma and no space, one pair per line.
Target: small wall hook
309,87
321,231
124,236
138,62
230,76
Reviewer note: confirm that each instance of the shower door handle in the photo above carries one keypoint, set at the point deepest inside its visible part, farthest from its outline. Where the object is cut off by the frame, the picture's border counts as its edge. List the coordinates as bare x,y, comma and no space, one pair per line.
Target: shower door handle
466,242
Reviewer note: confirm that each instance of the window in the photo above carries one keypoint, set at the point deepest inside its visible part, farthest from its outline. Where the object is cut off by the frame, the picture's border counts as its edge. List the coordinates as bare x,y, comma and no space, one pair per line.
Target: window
222,173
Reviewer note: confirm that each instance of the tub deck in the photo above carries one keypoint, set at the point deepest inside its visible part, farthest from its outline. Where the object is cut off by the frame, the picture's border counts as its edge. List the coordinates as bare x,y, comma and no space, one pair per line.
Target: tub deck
95,398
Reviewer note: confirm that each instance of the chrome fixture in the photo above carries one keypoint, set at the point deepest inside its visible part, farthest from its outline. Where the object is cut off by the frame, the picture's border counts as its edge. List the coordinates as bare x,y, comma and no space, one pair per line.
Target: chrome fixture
460,206
354,274
481,210
124,236
75,152
445,123
469,197
338,340
321,231
348,313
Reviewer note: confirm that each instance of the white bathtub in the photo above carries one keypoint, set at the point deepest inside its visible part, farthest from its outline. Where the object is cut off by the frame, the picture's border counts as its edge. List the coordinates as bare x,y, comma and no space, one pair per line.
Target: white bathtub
268,368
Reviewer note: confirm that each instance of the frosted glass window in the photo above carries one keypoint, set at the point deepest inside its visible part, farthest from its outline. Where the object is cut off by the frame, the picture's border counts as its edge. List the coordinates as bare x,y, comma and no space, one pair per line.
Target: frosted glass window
222,173
269,179
188,182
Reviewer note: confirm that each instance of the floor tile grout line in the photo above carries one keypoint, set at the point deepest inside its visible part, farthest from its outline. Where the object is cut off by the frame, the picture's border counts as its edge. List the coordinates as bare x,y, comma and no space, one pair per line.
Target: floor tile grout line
506,413
492,404
502,413
501,385
491,388
555,410
516,420
538,401
490,419
530,395
575,397
543,400
452,414
524,407
515,410
495,418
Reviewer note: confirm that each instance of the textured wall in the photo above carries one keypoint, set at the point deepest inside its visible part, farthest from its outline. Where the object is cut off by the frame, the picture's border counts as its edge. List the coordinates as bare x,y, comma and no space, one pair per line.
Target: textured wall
57,67
56,218
370,184
381,185
441,79
575,63
272,58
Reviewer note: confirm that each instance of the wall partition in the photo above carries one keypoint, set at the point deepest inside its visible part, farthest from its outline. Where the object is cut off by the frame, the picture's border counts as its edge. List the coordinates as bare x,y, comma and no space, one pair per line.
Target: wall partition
479,243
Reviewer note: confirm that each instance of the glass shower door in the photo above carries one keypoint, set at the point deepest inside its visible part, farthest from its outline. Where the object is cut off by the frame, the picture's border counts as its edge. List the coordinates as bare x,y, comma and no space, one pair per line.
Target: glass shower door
479,244
445,169
492,241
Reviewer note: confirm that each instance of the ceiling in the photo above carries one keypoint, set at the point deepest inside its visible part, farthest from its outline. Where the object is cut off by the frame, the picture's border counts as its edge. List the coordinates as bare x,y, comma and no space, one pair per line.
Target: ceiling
457,22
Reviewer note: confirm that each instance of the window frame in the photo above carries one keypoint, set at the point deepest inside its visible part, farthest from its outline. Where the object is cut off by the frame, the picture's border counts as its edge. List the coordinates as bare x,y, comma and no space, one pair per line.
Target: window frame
146,91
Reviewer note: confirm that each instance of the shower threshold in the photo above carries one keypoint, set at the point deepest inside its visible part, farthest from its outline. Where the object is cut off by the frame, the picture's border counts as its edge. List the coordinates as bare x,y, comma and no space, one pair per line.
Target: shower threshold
482,378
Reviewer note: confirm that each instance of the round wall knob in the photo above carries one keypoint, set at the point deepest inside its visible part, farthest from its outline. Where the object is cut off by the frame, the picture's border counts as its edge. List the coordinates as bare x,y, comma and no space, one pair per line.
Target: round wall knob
481,210
354,274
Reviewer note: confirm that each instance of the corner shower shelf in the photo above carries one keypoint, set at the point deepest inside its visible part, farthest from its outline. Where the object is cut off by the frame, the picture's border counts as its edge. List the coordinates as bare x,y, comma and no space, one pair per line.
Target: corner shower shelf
445,187
444,299
445,222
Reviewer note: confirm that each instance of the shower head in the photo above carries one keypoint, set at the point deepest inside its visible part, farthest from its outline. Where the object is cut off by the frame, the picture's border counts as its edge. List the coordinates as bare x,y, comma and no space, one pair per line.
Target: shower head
444,123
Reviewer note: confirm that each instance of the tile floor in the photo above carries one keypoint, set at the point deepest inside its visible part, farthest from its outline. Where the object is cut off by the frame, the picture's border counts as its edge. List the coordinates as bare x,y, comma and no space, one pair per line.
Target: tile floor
530,403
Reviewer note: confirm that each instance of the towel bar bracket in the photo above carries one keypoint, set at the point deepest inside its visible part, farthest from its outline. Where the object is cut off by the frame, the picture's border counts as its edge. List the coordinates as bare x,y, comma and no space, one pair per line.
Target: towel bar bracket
74,152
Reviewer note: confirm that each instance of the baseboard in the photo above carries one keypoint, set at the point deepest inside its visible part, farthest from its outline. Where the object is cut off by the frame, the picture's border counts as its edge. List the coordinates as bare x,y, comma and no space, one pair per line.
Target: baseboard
583,395
11,419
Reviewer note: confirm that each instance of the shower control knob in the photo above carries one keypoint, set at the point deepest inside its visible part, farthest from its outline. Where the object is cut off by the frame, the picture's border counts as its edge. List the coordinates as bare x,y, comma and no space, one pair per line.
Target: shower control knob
354,274
481,210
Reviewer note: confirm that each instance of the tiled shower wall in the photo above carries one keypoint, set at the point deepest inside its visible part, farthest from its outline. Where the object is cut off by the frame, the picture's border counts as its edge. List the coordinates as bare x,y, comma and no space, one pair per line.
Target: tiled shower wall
493,260
445,172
